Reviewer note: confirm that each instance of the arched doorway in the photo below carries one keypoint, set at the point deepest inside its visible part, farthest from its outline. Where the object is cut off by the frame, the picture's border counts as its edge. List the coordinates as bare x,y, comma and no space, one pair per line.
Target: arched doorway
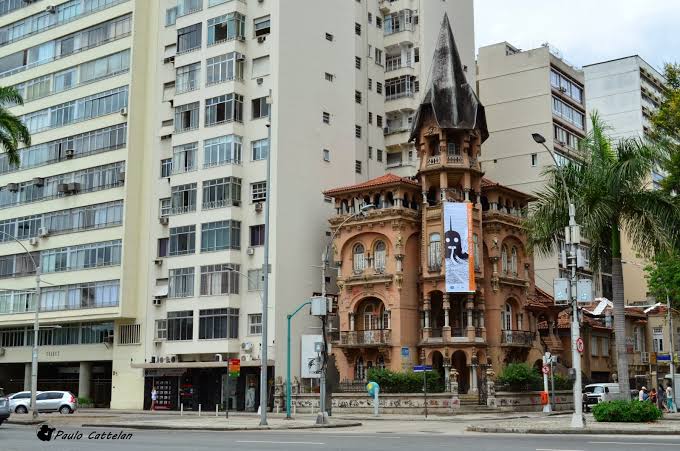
438,363
459,362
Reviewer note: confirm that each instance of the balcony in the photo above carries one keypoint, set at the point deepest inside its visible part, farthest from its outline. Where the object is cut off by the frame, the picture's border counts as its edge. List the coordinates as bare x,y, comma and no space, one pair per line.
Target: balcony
378,337
520,338
451,160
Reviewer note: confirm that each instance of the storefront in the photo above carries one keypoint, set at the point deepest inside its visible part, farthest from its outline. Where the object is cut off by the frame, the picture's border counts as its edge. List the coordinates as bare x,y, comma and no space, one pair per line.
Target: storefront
190,384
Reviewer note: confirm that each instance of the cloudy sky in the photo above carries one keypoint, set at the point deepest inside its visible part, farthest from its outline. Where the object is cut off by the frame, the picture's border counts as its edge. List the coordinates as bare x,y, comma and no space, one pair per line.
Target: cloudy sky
584,31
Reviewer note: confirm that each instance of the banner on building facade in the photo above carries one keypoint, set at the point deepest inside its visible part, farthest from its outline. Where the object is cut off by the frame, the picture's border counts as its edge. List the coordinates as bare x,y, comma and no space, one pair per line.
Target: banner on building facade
458,247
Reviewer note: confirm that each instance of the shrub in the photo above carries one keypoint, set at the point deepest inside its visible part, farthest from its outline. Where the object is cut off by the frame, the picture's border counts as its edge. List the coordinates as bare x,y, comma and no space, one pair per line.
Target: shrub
520,376
84,401
409,382
563,383
626,411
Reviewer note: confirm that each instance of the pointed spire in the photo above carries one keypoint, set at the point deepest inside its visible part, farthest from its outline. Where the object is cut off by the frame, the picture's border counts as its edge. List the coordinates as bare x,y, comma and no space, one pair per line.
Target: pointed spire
452,100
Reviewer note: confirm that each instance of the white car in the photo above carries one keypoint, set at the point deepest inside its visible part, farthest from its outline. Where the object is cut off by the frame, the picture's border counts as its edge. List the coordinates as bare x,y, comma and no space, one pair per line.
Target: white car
20,402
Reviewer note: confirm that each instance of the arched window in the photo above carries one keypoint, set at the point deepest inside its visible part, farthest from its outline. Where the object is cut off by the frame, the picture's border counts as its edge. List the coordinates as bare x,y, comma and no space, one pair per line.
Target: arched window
377,201
359,259
513,261
405,201
379,255
506,317
435,252
389,200
504,260
359,370
369,317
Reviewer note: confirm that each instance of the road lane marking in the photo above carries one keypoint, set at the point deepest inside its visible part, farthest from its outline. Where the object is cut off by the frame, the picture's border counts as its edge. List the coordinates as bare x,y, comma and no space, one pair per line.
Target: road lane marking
628,443
552,449
280,443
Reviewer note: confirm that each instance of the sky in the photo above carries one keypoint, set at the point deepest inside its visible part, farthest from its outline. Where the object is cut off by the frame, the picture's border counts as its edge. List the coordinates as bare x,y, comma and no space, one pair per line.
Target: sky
584,31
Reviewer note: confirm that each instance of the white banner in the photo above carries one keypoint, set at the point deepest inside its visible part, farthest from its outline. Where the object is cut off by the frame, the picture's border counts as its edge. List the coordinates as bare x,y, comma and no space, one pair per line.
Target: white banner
458,255
308,356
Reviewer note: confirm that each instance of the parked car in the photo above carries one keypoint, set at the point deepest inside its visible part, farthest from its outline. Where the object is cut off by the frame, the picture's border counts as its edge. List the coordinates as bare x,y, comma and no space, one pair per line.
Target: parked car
56,401
597,393
20,402
4,407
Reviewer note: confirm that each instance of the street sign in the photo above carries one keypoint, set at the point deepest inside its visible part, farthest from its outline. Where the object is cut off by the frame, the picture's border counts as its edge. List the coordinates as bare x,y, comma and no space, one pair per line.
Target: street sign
421,368
546,369
579,345
663,357
404,351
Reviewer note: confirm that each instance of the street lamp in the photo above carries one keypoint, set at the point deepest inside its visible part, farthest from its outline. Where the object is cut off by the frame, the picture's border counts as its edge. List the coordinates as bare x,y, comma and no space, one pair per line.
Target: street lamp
36,327
572,235
324,262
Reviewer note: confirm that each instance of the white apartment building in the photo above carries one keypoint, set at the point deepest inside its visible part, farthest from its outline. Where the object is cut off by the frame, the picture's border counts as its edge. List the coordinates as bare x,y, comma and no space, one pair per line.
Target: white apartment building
185,249
74,201
625,92
525,92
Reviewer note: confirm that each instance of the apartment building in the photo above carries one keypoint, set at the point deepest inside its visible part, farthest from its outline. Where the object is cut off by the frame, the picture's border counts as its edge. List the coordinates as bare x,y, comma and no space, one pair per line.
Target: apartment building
217,84
406,39
73,203
525,92
625,92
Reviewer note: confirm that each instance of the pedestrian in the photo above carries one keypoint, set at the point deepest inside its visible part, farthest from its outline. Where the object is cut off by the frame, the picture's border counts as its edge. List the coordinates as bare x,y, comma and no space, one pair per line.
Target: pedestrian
642,393
670,402
584,400
652,396
661,395
154,397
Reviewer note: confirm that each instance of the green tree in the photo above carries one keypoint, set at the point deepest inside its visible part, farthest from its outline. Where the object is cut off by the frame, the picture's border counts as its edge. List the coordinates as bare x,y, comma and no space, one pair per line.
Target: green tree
666,127
12,131
609,188
663,277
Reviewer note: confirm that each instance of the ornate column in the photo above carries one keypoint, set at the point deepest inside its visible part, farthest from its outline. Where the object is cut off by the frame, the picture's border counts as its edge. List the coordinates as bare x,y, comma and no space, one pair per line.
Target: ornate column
426,313
470,305
473,373
446,331
490,387
466,192
351,321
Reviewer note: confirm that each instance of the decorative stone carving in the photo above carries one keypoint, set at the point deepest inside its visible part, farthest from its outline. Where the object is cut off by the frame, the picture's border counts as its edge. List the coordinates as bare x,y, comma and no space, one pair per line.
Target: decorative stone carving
453,381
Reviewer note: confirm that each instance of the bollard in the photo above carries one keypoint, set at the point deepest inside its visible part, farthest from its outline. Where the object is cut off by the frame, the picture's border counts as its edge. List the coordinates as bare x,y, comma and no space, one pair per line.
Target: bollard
294,409
217,410
181,409
199,410
376,402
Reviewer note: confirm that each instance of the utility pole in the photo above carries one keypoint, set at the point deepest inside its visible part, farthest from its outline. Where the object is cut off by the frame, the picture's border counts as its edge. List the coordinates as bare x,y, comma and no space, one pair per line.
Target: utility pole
34,352
674,407
265,270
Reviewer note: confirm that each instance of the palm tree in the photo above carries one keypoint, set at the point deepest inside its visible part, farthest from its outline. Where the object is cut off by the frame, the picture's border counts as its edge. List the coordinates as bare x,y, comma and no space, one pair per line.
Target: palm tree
610,188
12,130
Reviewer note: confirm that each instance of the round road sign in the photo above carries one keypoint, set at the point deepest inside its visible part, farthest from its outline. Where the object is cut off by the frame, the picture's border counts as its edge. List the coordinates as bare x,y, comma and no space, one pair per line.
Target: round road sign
546,369
579,344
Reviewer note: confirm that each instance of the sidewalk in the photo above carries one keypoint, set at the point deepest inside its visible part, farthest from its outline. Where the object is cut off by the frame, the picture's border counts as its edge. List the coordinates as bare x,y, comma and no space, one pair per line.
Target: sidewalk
562,425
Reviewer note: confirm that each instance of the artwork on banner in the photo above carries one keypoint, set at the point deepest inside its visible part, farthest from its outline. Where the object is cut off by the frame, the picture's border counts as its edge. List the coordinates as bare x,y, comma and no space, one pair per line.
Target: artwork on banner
459,264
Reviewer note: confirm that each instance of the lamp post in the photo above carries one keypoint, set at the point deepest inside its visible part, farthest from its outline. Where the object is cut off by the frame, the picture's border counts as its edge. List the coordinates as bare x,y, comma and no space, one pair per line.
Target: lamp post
572,237
324,263
36,327
674,405
263,352
288,391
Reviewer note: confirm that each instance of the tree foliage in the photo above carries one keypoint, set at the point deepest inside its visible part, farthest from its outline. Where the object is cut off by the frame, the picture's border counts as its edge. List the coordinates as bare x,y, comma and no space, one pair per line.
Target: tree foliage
663,277
12,131
666,127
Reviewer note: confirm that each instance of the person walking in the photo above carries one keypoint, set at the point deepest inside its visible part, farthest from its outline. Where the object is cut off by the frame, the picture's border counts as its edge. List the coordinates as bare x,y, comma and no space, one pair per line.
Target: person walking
670,402
642,393
661,395
652,396
154,397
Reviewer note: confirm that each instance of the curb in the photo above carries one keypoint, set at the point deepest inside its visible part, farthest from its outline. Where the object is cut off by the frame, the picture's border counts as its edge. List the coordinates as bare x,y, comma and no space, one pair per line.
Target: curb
219,429
445,419
26,423
585,431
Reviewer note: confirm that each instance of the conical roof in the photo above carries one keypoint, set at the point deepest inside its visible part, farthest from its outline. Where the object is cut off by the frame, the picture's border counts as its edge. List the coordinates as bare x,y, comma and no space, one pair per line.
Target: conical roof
448,94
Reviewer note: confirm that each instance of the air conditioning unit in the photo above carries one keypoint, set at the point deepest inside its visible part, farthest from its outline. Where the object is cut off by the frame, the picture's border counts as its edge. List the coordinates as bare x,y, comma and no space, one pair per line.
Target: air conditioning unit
261,39
69,153
164,220
51,9
124,111
38,181
386,130
121,176
43,232
260,80
240,57
260,1
62,188
157,301
74,187
247,346
258,207
171,359
33,241
12,187
2,352
246,358
562,143
236,203
169,59
154,359
164,137
157,342
158,261
251,251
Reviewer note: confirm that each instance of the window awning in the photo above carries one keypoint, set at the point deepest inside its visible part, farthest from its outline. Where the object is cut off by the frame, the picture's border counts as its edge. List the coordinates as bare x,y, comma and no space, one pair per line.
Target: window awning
160,291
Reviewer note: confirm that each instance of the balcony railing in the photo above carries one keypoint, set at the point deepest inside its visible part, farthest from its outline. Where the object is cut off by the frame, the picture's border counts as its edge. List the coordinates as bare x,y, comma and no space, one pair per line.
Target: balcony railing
517,337
478,332
366,337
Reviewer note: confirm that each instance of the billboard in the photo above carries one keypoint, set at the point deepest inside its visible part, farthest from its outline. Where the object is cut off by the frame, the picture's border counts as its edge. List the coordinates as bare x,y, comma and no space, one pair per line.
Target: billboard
459,257
308,356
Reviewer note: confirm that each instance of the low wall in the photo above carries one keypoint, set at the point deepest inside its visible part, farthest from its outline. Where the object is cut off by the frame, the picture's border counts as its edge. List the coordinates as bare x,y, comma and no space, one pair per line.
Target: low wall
531,401
414,403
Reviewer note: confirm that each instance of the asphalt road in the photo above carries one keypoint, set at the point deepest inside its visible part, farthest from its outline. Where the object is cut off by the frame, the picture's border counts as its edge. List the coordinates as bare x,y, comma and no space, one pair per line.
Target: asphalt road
13,437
